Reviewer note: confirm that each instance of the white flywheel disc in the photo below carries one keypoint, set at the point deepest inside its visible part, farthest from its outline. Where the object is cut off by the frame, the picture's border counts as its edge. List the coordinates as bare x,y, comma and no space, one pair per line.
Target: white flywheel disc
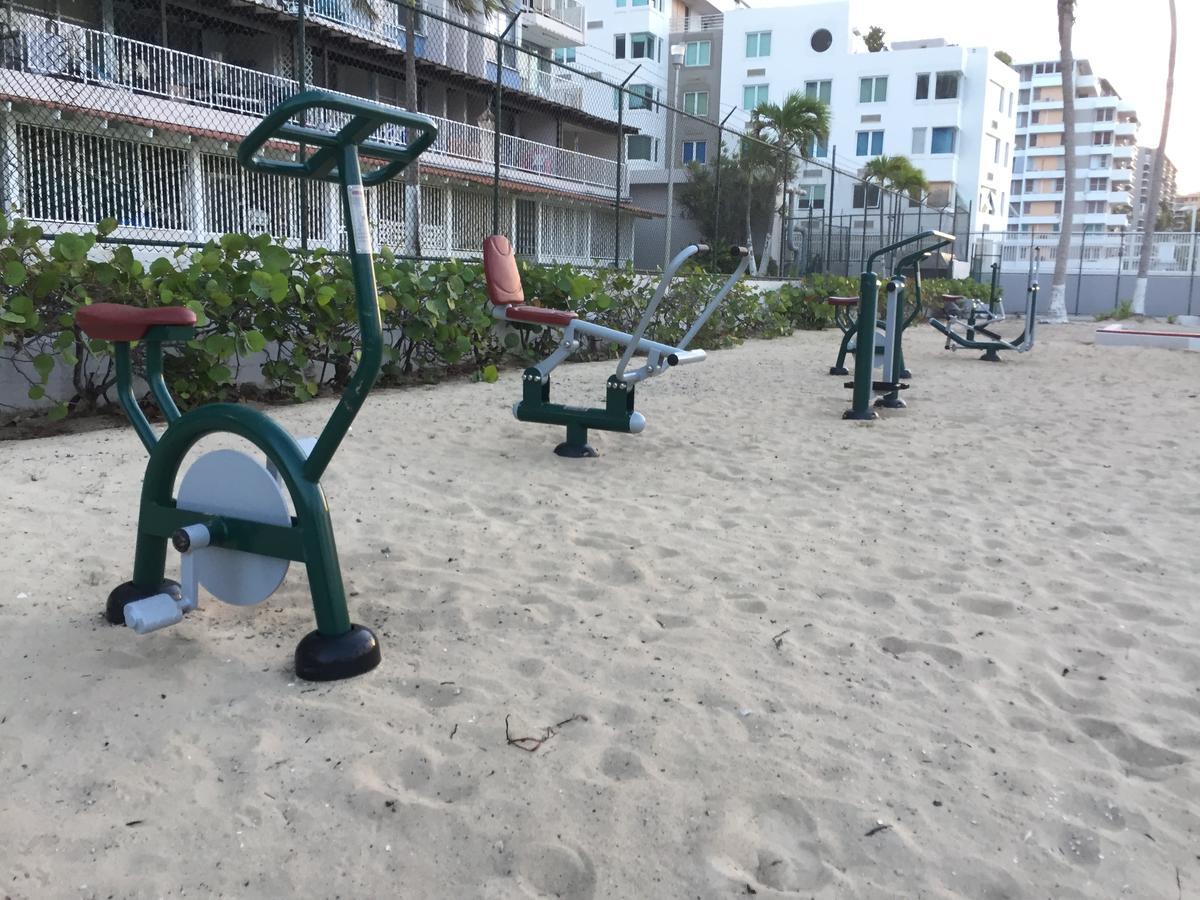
230,483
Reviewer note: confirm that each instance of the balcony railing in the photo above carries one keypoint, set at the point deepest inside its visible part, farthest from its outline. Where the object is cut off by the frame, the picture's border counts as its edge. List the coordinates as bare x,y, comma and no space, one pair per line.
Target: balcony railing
568,12
107,60
713,22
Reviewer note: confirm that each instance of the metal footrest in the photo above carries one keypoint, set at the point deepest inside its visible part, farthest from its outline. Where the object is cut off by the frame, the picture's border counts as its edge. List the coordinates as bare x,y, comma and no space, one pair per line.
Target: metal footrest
880,386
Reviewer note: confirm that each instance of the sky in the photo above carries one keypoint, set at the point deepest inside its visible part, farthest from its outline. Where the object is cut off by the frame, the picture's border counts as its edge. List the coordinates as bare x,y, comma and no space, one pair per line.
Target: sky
1125,42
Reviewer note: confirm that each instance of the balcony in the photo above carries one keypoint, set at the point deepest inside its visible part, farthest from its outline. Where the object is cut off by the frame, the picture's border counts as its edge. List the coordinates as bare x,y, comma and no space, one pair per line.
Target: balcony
553,23
116,77
714,22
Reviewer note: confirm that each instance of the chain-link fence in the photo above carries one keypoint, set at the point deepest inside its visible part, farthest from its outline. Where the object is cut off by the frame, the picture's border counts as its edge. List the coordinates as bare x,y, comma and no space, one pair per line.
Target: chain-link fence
133,109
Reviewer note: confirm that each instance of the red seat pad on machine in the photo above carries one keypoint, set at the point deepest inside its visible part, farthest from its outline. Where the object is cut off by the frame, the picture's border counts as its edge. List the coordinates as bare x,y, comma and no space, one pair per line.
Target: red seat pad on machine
539,315
842,301
118,322
504,287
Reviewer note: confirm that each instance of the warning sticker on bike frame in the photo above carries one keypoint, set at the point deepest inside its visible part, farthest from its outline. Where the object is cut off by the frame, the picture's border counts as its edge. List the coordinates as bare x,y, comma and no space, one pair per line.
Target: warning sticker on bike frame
358,219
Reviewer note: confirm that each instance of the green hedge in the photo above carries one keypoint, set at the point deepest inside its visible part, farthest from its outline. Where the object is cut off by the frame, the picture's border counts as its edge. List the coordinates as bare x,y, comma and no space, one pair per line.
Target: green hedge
293,314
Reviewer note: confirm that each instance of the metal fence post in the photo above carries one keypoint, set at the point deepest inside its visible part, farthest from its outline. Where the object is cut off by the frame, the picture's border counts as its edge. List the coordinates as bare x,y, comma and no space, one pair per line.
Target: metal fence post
620,165
499,107
829,205
1120,265
302,80
1079,277
1192,276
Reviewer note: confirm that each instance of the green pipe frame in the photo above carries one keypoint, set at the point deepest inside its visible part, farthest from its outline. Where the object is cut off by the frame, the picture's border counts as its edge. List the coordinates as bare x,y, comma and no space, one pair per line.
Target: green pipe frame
616,414
309,538
868,301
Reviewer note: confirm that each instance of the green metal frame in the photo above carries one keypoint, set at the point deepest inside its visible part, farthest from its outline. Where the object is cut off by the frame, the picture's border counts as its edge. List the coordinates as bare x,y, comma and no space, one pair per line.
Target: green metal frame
309,538
868,302
616,414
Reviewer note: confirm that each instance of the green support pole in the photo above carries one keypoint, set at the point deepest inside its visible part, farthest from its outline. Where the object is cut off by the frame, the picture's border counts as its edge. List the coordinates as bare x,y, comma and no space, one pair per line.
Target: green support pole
864,351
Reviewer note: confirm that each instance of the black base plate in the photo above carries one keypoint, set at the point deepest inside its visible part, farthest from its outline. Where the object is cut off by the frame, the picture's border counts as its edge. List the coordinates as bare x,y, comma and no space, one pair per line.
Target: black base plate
891,403
576,451
991,356
114,609
838,370
863,416
323,658
906,374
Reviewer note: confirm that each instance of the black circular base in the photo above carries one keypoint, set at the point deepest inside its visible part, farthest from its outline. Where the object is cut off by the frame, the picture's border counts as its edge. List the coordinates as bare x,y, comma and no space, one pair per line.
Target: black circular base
838,370
576,451
860,416
891,403
320,657
905,373
991,356
114,609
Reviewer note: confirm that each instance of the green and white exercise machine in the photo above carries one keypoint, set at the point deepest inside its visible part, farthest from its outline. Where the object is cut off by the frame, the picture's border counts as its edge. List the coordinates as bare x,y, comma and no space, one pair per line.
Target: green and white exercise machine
845,316
887,352
230,518
964,324
507,299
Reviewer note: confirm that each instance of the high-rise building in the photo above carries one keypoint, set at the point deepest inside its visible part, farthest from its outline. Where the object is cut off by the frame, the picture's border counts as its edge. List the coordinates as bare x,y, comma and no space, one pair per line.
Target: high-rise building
1187,212
949,109
1166,191
1104,170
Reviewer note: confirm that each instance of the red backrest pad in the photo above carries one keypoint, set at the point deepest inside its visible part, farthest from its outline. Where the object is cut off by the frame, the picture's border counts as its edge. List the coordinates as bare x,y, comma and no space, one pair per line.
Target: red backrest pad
500,271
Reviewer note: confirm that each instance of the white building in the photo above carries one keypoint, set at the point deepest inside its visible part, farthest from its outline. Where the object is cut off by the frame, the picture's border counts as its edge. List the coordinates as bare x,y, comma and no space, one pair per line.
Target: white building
1106,152
949,109
1168,187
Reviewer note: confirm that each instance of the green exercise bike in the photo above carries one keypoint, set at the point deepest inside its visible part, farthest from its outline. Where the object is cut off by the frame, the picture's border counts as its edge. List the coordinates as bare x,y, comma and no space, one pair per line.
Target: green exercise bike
886,350
230,517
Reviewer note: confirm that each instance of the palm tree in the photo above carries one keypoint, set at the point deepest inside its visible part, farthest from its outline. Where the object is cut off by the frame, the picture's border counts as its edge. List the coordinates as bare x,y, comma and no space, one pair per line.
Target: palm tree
1139,290
883,172
1058,287
899,178
913,184
797,122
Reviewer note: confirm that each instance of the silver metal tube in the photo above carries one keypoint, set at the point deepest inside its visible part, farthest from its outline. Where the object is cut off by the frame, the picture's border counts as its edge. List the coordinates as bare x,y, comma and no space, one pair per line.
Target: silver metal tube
680,258
716,301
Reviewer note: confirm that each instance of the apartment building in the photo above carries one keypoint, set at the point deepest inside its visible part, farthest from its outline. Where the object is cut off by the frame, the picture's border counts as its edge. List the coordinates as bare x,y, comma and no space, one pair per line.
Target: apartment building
1105,168
1187,212
949,109
1167,189
133,110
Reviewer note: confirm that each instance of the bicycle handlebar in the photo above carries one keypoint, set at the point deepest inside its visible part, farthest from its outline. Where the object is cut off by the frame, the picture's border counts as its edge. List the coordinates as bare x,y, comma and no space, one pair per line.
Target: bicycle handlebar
364,118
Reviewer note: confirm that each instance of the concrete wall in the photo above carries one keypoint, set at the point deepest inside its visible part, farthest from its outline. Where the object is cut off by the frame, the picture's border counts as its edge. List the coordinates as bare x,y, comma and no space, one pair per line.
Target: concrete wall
1166,295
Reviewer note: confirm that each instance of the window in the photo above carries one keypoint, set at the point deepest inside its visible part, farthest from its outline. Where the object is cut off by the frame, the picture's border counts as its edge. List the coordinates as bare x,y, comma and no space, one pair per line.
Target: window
758,44
1023,98
697,53
1105,115
918,142
1099,162
1006,149
619,47
815,198
946,86
1017,187
695,151
641,45
821,40
695,103
1010,104
870,143
1102,138
866,196
942,140
753,95
818,90
1020,142
1097,184
818,147
642,146
1095,206
1001,109
923,86
564,54
872,90
995,149
641,96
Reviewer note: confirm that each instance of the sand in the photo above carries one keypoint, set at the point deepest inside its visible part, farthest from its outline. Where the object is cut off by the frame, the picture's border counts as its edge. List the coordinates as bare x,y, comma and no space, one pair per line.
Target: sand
953,653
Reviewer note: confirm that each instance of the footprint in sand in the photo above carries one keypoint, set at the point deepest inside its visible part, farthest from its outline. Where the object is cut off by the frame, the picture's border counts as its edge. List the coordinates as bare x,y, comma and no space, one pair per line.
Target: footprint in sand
988,606
774,844
621,765
898,647
557,871
877,599
1127,747
751,606
530,667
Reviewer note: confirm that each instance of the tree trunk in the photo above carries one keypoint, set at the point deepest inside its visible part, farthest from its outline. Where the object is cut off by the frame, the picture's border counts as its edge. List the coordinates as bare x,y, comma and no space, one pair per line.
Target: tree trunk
1151,217
1058,287
750,239
412,187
